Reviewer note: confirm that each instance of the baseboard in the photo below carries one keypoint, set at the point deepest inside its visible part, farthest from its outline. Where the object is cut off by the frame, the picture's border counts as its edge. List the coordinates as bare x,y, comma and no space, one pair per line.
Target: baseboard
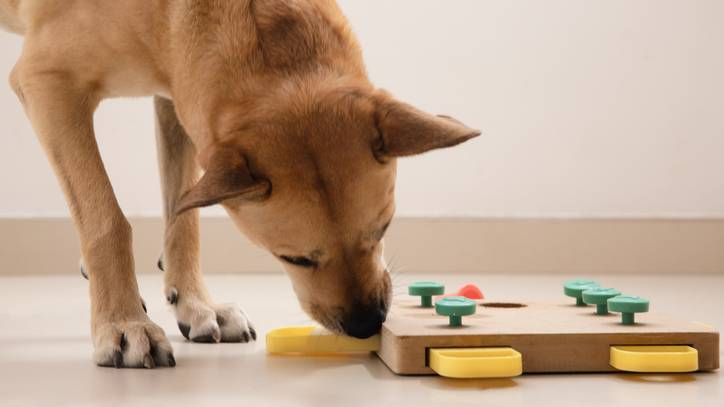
420,245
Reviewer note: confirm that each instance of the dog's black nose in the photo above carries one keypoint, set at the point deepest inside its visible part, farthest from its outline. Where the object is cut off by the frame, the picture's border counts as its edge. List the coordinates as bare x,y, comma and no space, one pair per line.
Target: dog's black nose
364,322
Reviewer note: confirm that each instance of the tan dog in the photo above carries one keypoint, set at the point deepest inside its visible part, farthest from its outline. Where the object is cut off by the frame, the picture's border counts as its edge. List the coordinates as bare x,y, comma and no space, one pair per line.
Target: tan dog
271,100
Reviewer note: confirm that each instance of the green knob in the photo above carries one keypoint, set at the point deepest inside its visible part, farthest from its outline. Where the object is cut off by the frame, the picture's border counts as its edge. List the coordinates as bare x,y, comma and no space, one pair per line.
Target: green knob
600,296
455,308
628,307
575,289
425,290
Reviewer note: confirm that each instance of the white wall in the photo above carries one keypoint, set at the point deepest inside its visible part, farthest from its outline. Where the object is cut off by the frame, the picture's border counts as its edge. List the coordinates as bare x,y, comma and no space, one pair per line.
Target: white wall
590,108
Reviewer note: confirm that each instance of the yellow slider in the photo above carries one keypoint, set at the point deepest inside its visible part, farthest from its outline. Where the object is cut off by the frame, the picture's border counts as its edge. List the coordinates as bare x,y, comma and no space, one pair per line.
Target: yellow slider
655,359
312,340
476,363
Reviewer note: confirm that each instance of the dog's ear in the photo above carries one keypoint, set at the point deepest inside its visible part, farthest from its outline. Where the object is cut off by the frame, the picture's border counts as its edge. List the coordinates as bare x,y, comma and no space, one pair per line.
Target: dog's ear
227,176
406,130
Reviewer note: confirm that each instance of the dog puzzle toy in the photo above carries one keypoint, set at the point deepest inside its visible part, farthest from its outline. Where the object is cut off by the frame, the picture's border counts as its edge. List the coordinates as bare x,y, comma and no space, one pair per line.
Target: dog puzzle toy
628,306
600,296
549,337
575,289
455,308
469,291
426,290
316,341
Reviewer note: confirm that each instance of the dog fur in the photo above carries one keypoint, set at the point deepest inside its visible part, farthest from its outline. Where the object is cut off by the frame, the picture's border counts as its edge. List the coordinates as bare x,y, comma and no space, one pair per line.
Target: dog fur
271,101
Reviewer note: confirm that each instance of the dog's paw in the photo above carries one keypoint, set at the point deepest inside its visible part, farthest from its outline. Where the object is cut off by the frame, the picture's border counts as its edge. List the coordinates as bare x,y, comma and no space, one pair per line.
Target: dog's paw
201,321
136,344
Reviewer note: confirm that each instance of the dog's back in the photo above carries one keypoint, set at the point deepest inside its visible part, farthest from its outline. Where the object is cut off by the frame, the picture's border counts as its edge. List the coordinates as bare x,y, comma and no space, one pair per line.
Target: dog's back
9,18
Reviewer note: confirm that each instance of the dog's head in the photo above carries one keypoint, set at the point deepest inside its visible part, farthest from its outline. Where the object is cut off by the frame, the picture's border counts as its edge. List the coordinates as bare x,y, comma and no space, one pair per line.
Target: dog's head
310,176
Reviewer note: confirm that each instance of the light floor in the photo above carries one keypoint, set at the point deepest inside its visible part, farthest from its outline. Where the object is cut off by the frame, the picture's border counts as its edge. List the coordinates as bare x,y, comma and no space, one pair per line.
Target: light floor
45,353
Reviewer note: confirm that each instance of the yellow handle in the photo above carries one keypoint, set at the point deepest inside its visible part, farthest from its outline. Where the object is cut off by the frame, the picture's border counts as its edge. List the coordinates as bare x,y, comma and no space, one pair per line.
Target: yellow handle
312,340
472,363
655,359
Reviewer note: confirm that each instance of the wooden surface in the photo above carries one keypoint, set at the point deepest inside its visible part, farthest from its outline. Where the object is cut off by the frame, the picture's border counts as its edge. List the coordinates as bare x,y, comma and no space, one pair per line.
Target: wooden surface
552,337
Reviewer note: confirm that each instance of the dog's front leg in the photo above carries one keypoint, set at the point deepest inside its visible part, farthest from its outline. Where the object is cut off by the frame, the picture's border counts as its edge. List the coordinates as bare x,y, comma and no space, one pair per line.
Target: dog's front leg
199,318
60,107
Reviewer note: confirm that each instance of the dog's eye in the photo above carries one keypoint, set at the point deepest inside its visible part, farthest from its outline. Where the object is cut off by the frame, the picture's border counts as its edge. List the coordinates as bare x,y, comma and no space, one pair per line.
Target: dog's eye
300,261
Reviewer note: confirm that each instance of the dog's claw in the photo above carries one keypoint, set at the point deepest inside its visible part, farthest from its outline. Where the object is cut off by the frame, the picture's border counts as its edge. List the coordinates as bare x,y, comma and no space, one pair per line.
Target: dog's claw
118,359
204,339
148,362
253,333
143,304
185,329
122,344
172,297
159,263
211,334
82,271
171,361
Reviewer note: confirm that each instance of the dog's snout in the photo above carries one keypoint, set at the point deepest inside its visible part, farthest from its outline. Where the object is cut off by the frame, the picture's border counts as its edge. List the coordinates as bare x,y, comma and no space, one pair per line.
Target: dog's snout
364,322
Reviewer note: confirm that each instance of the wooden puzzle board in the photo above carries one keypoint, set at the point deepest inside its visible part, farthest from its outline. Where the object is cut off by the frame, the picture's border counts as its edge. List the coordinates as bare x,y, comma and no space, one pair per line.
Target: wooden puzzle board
551,337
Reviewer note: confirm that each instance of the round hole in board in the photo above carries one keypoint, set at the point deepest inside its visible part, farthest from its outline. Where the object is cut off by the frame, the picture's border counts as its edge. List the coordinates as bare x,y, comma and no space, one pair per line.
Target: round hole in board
503,305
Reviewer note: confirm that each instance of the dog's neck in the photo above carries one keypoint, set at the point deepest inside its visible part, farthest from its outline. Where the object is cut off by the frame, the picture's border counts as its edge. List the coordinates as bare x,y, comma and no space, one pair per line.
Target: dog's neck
236,54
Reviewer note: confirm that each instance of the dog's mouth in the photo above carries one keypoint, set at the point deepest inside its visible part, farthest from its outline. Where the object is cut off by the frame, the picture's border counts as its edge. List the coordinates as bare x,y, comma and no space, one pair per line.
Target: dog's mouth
360,318
362,322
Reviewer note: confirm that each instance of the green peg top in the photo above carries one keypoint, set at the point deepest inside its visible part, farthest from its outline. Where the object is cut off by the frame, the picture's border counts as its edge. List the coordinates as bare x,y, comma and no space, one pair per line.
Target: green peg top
455,308
425,290
575,289
628,306
599,296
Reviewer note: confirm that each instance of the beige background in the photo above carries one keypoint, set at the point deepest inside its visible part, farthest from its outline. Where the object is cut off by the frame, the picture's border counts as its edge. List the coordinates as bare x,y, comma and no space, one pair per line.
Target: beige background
590,109
417,245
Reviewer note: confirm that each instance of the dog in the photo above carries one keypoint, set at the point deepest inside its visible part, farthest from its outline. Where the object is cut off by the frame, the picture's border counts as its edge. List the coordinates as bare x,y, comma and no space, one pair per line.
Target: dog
270,101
